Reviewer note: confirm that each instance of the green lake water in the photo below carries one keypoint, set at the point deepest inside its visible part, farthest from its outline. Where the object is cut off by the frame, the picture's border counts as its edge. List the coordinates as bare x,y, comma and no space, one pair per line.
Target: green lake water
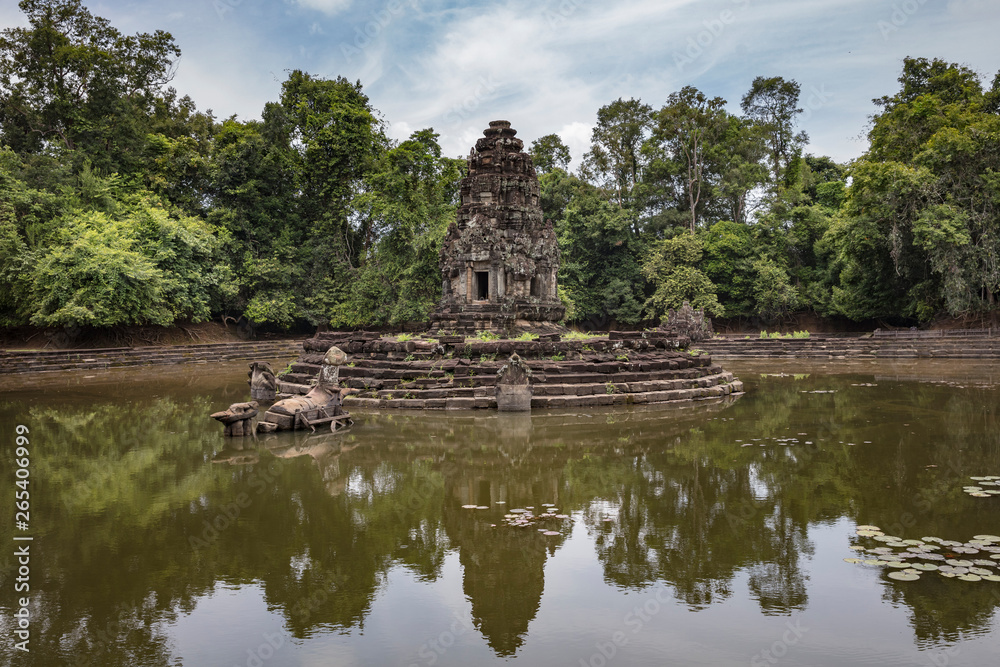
701,534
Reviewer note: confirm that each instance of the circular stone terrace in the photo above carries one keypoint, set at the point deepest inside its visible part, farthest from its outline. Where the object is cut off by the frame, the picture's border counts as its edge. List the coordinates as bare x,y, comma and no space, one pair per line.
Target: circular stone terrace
457,372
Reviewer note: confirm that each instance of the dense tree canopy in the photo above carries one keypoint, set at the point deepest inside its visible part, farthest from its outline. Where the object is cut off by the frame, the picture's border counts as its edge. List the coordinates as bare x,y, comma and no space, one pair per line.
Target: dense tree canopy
122,203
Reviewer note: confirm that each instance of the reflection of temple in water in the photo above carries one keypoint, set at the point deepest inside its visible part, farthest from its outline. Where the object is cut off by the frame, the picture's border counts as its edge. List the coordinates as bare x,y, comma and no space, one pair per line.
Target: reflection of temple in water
501,461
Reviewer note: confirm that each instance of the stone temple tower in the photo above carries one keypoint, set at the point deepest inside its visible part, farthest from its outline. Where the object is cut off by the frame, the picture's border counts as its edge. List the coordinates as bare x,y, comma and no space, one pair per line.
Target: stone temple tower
499,259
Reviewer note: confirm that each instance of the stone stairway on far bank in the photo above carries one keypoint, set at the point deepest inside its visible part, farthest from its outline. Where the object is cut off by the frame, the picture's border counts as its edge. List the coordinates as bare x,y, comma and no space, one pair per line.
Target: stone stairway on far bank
41,361
861,347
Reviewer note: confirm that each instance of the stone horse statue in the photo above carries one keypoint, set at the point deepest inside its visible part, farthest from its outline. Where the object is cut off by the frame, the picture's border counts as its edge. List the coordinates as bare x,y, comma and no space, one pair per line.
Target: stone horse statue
237,419
323,404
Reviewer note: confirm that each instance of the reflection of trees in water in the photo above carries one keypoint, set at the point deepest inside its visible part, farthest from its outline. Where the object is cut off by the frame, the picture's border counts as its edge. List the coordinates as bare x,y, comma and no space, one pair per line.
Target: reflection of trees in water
130,490
675,520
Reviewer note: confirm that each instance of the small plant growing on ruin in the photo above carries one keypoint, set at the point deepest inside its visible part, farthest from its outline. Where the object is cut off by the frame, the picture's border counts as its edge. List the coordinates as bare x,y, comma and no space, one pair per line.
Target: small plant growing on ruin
403,337
487,357
579,335
800,334
487,335
559,357
409,357
610,388
526,336
409,394
621,357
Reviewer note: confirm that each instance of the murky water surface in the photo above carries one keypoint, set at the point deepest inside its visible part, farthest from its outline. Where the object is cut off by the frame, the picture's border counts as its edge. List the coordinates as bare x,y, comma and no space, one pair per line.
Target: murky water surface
708,534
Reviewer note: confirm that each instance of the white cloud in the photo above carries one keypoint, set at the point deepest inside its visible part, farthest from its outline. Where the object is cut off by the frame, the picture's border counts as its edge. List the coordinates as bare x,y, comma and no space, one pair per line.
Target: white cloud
399,130
576,136
329,7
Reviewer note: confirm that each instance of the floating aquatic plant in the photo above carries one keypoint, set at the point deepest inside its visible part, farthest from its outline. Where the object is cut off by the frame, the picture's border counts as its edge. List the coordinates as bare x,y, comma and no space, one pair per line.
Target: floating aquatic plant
907,558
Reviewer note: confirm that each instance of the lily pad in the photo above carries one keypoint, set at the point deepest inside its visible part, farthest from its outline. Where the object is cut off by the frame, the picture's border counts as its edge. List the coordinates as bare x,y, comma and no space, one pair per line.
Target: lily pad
897,564
551,532
970,577
469,507
904,576
926,567
853,561
991,577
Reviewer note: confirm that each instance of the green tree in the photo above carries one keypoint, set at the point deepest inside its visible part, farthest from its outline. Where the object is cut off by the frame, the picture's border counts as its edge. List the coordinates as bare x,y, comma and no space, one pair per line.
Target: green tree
772,103
690,127
729,252
615,156
408,203
671,266
600,265
925,198
70,81
339,140
548,153
254,176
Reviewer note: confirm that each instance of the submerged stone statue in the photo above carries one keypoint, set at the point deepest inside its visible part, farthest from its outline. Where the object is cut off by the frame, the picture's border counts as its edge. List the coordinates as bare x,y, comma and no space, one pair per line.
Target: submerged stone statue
513,387
237,419
322,405
500,258
263,385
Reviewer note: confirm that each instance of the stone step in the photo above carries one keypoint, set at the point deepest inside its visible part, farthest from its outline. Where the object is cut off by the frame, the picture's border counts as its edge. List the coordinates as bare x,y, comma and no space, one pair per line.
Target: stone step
721,386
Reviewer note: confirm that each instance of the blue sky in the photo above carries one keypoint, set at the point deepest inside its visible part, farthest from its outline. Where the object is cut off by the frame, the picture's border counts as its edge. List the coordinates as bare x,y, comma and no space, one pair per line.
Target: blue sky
548,66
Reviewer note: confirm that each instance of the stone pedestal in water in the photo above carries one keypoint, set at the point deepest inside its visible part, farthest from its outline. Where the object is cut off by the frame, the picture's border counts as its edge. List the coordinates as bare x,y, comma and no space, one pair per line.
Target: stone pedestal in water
513,387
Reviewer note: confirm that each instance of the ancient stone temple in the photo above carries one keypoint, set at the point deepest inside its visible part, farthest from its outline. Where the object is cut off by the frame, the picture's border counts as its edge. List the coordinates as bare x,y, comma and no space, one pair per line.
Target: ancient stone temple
499,259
